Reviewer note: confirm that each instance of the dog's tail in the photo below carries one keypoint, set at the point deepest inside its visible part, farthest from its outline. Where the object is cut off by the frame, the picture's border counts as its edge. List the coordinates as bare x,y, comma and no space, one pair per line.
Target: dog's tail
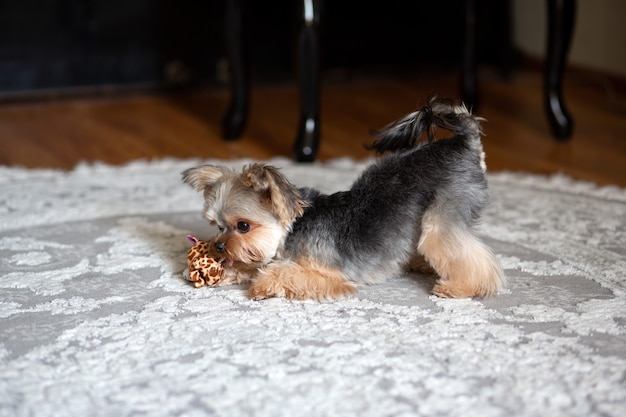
407,132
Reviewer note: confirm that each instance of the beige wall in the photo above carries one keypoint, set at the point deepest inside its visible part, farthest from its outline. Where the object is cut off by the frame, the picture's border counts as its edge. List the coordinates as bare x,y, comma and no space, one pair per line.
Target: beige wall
599,40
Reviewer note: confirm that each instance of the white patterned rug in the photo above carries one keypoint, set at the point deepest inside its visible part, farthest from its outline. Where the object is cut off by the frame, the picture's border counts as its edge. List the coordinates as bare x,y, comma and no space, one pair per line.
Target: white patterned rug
96,320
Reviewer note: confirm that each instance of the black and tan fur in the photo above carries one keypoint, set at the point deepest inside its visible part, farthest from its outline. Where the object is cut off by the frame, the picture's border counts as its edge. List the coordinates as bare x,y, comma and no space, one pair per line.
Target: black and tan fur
419,201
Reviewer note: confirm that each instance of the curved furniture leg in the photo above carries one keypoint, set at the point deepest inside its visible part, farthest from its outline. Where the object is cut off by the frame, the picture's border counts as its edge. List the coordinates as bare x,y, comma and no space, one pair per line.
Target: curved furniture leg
468,77
561,14
234,121
308,135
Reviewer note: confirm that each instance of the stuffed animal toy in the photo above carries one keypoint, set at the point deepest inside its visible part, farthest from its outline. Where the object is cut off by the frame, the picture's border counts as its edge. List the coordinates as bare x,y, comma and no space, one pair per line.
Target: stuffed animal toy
203,267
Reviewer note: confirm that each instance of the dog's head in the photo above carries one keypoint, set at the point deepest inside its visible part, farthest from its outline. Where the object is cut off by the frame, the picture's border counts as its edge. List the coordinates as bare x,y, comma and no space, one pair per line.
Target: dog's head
253,210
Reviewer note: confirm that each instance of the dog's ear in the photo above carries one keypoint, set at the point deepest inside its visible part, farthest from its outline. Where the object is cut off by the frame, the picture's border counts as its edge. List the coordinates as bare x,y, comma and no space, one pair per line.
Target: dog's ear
204,176
278,193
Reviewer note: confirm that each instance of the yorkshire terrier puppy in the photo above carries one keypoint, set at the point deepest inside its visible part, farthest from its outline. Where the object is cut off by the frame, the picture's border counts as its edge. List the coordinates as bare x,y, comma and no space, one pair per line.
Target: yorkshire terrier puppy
417,204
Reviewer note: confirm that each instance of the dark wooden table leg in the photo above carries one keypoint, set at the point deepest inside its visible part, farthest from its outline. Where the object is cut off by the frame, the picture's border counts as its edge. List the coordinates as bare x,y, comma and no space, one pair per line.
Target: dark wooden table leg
468,77
561,15
234,120
308,135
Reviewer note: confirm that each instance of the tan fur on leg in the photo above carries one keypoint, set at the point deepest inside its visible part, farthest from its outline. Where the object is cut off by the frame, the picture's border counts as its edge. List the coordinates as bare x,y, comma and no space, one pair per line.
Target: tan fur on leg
300,281
465,265
233,276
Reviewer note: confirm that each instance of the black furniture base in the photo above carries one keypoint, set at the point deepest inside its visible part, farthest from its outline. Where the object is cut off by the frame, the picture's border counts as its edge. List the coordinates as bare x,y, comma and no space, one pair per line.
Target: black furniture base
561,15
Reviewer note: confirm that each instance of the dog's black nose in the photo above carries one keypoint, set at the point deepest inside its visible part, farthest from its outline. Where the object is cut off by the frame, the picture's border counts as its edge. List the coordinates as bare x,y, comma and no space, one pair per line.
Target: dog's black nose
219,246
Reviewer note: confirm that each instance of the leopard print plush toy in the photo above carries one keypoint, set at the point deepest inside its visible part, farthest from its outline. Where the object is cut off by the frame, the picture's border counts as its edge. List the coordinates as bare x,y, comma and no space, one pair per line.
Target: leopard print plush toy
203,268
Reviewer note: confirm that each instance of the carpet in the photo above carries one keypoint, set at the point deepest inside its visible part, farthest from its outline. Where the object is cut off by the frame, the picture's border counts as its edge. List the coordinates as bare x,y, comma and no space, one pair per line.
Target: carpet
96,319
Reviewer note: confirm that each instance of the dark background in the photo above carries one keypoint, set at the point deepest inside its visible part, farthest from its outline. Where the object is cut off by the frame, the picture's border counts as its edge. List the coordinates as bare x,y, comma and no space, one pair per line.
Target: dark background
65,45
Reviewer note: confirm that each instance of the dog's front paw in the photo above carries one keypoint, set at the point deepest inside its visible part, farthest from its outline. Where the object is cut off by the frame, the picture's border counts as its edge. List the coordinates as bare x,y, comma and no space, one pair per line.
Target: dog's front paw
261,291
258,294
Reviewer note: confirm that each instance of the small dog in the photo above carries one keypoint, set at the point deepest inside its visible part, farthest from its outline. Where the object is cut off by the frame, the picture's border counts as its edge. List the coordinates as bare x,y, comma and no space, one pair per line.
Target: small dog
415,205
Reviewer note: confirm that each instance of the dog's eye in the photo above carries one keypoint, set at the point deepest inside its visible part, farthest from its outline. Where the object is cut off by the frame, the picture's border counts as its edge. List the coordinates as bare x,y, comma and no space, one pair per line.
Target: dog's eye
221,229
243,227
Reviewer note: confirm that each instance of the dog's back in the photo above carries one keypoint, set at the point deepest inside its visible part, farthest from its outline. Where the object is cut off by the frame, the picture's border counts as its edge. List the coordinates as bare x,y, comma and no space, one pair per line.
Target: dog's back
451,169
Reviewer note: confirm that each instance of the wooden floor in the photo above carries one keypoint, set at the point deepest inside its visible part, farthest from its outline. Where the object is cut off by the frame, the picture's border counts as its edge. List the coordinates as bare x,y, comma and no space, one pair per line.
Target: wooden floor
60,133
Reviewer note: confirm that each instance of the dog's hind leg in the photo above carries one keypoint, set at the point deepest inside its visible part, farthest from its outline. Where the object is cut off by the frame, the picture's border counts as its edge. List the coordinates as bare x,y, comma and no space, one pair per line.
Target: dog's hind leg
465,265
303,280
